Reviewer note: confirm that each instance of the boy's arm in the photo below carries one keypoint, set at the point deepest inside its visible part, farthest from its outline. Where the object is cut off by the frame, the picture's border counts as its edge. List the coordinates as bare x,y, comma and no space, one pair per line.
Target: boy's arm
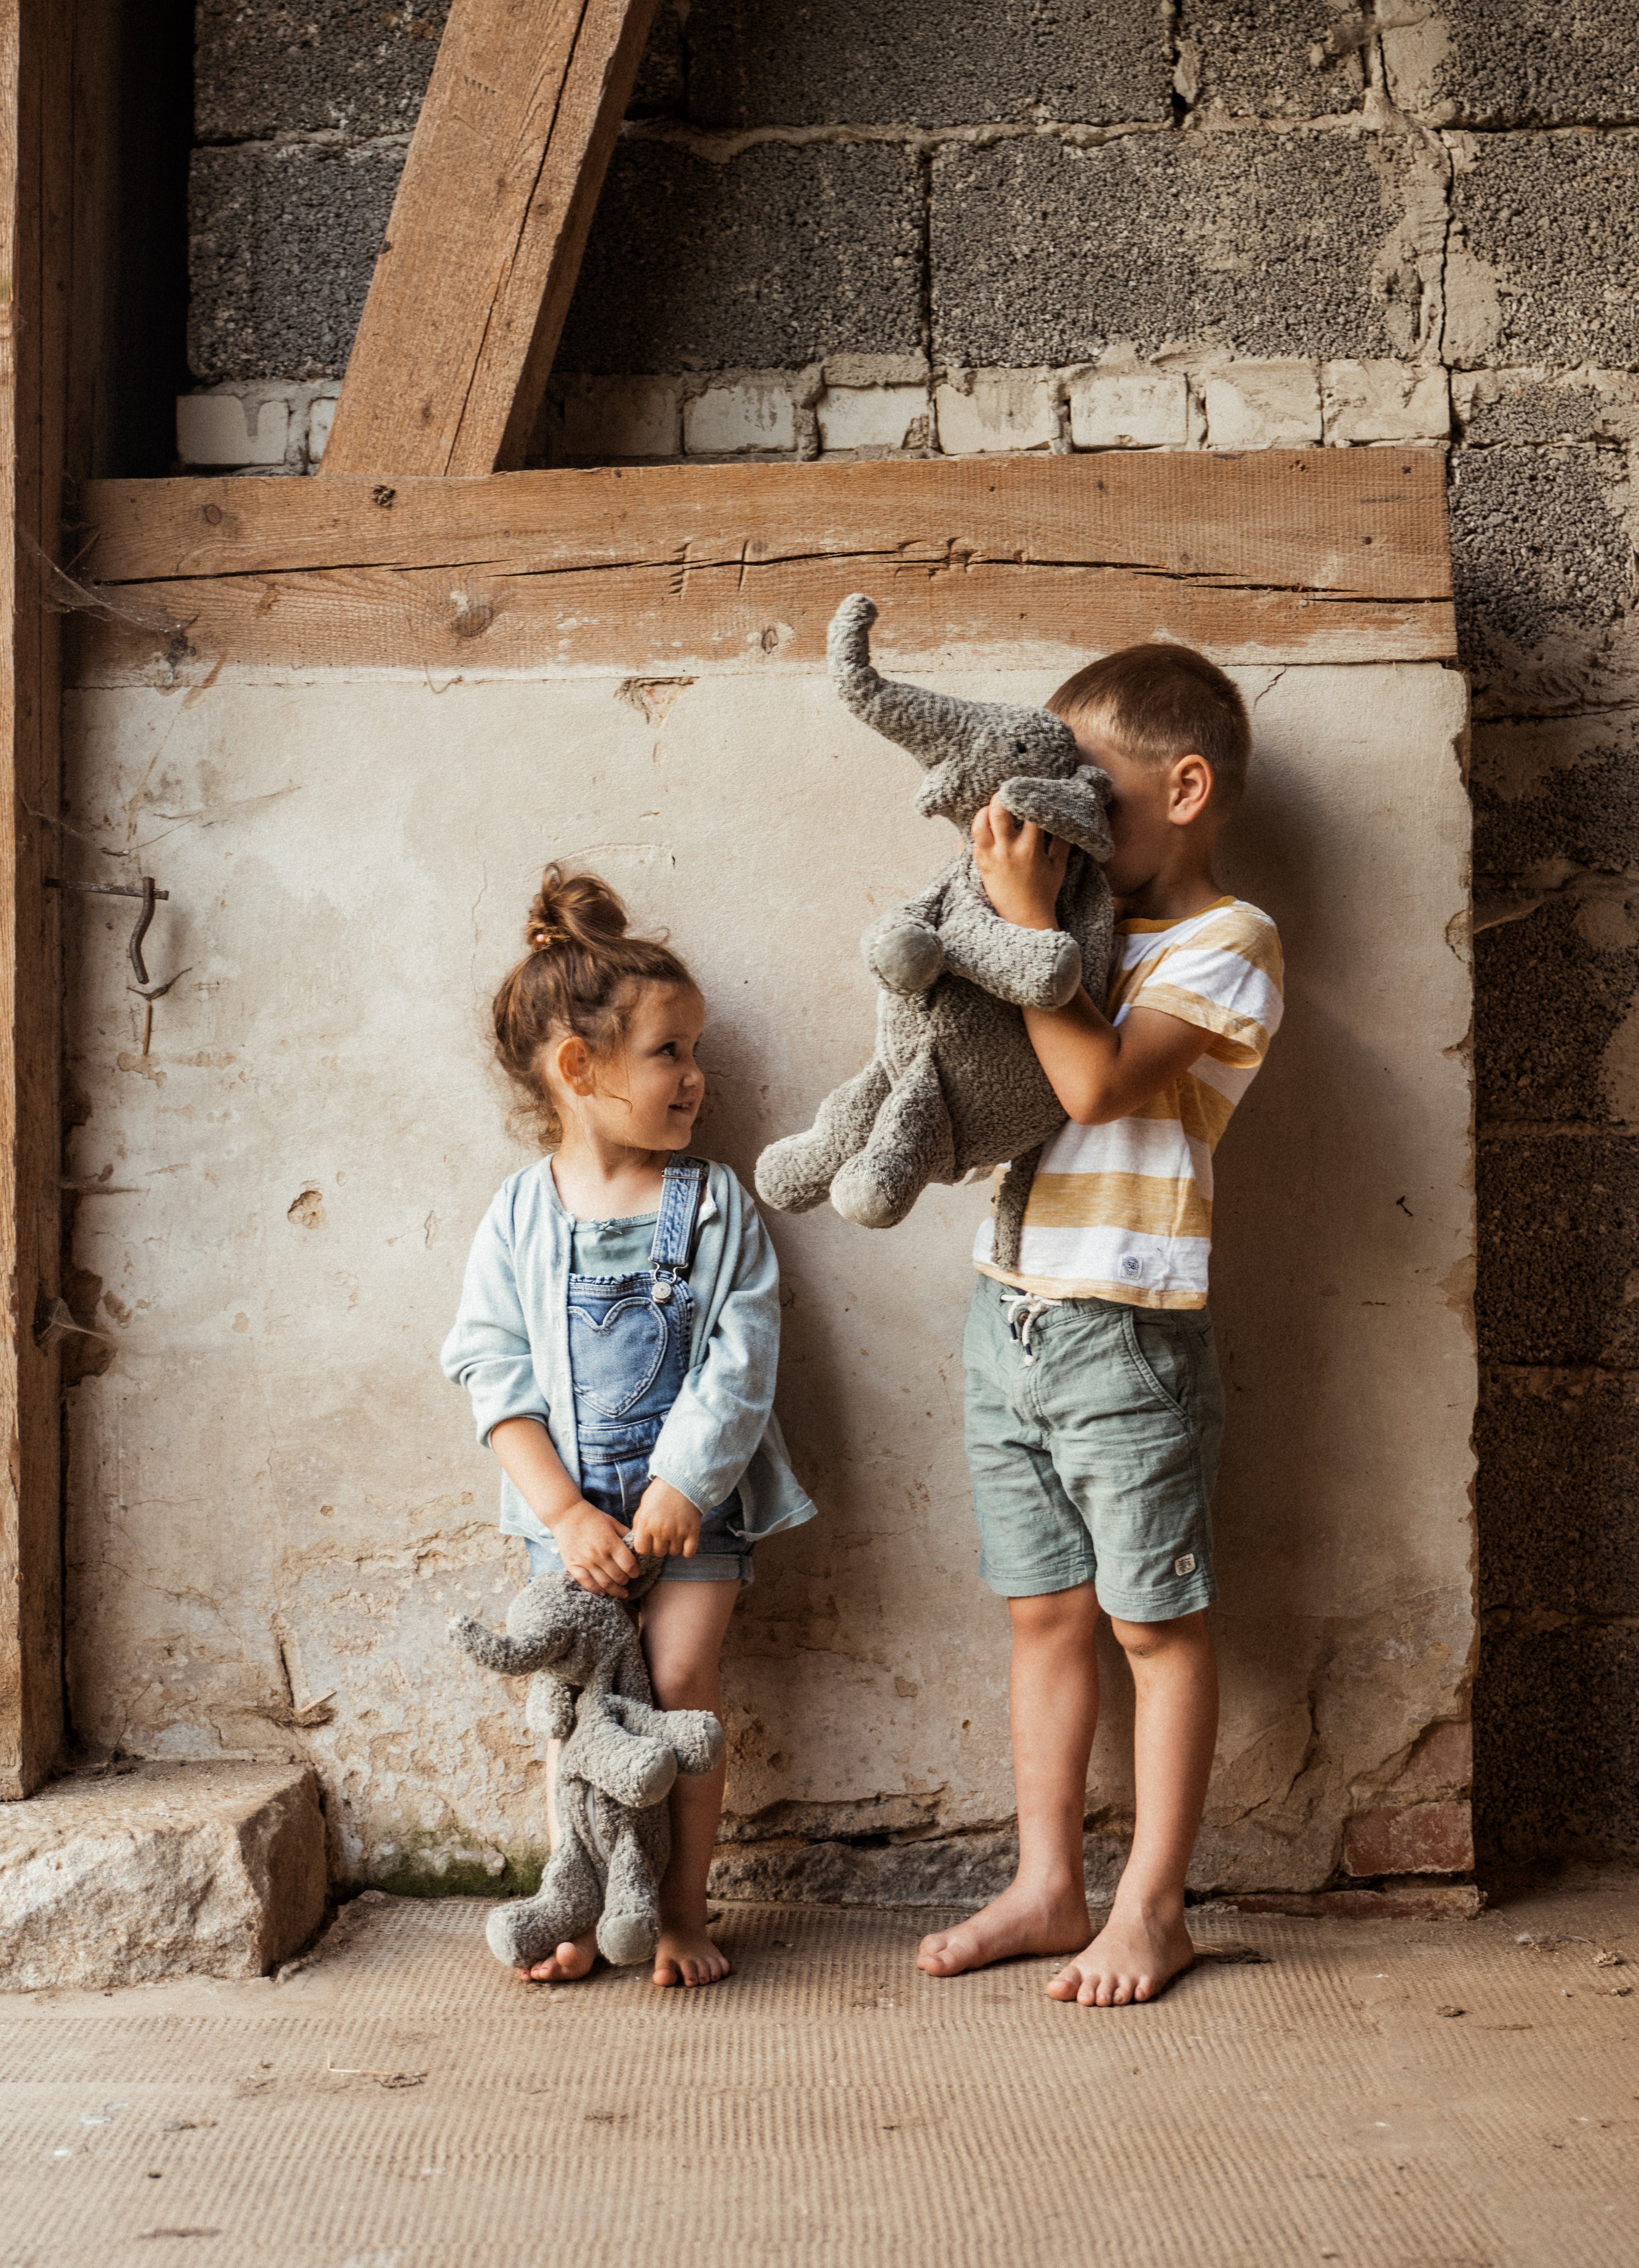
1099,1070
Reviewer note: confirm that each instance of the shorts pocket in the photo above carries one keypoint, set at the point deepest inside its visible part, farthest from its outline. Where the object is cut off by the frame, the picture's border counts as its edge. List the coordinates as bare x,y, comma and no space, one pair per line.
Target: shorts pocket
1159,1355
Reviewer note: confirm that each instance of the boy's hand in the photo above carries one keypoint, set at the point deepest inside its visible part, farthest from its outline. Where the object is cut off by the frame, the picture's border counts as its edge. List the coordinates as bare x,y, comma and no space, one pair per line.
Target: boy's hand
593,1550
667,1523
1020,866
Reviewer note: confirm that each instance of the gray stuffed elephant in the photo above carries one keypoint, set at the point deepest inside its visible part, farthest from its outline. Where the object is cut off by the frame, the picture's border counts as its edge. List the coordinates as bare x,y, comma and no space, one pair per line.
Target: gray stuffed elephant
620,1756
955,1084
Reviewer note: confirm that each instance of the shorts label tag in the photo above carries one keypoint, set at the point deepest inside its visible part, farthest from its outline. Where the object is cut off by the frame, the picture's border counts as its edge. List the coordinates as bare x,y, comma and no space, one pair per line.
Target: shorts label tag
1186,1565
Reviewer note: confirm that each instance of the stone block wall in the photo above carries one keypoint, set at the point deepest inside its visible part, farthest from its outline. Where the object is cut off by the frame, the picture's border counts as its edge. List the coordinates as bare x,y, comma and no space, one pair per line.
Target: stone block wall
908,226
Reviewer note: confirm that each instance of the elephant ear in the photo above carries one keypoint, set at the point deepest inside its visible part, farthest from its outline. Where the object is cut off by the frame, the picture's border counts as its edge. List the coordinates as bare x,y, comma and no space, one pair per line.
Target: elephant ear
1073,809
550,1711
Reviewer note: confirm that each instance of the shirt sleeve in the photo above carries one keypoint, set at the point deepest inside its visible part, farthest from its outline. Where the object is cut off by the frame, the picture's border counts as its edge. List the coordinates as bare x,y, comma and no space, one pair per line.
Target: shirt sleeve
712,1429
488,1349
1226,981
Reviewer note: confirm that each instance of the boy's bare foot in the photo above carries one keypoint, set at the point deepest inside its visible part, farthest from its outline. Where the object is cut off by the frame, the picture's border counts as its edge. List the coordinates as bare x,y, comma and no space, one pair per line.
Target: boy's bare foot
689,1956
573,1957
1134,1957
1018,1922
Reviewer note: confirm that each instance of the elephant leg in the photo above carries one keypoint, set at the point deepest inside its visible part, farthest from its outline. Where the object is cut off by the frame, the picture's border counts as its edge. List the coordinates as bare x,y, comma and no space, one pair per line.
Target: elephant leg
910,1145
796,1174
567,1903
631,1928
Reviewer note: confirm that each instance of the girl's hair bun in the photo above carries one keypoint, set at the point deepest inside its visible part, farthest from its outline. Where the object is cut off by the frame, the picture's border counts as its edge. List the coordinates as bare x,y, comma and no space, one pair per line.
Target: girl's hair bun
573,910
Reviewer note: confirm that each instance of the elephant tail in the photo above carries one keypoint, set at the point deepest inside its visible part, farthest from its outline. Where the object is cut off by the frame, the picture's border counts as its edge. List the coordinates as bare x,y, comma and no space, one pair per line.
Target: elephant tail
493,1648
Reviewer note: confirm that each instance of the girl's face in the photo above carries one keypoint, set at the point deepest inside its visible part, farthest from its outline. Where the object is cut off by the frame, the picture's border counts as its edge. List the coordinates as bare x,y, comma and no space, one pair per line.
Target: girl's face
648,1094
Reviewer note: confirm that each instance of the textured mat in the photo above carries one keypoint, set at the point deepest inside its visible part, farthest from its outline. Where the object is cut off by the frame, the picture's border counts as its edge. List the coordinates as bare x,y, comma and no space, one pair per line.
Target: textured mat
401,2102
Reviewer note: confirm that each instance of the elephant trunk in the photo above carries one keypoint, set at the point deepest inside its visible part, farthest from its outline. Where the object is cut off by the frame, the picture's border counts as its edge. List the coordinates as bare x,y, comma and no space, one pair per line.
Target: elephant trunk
929,725
510,1656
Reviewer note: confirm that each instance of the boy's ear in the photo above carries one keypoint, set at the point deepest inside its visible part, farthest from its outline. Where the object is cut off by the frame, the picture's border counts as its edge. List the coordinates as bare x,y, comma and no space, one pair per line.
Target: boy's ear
1192,782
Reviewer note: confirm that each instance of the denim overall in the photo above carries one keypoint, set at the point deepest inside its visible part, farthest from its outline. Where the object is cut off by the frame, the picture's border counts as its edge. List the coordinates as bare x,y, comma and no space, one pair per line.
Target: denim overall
629,1341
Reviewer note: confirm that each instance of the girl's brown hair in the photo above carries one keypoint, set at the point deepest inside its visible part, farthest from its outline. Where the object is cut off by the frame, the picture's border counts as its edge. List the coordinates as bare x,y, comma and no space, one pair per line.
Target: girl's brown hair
581,974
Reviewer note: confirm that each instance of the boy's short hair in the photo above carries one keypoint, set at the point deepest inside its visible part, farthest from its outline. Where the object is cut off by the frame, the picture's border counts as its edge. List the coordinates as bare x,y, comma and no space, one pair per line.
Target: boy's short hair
1158,702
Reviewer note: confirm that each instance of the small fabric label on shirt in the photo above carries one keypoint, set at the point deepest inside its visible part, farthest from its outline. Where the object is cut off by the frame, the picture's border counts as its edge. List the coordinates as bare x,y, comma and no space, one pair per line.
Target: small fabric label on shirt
1186,1565
1131,1267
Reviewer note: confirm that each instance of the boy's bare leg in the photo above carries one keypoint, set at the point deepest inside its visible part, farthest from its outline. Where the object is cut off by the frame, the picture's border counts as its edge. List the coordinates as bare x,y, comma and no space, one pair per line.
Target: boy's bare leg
683,1627
1052,1696
575,1955
1145,1944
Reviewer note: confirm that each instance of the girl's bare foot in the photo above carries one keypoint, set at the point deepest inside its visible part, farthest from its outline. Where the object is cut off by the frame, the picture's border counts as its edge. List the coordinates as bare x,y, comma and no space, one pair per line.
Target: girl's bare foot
573,1957
1135,1957
1020,1921
689,1956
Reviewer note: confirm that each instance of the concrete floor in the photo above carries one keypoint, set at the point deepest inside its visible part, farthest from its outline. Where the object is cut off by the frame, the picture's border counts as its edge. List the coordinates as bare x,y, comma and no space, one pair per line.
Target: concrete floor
1381,2094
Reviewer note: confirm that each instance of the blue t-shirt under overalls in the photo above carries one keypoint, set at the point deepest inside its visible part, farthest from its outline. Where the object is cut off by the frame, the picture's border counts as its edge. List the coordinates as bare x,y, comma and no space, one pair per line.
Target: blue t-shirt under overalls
629,1341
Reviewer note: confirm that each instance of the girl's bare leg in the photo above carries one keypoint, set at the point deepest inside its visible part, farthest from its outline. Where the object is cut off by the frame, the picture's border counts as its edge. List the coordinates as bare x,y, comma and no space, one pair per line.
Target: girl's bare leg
1053,1697
1144,1945
683,1626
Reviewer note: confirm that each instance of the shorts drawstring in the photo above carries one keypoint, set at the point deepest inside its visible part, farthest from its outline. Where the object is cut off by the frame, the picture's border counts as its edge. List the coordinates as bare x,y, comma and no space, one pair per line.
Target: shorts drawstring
1024,1308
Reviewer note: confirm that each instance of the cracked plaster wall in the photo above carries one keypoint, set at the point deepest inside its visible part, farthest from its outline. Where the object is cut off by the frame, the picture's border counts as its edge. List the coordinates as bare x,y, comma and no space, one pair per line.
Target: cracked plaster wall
1229,223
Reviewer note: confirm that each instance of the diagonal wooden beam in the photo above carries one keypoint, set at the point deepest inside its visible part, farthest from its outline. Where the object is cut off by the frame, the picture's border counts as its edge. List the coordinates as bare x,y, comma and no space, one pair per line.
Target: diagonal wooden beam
475,277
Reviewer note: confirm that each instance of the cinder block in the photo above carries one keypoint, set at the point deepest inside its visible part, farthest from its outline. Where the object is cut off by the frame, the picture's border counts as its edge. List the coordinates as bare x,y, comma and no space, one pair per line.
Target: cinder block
225,429
1555,794
282,248
663,82
1298,243
1416,1838
329,65
771,261
159,1870
1263,405
996,409
1130,409
610,418
1558,1498
876,61
1556,1743
1559,1226
1270,58
874,417
755,412
1540,559
1553,991
1515,62
1535,405
1544,258
1385,401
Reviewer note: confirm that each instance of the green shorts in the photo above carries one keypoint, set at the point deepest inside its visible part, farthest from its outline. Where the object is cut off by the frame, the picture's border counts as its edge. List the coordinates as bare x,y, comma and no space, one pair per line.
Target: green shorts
1092,1435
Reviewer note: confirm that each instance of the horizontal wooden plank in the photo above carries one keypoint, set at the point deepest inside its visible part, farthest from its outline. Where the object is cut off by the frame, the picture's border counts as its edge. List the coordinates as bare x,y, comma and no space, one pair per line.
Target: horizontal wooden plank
1322,555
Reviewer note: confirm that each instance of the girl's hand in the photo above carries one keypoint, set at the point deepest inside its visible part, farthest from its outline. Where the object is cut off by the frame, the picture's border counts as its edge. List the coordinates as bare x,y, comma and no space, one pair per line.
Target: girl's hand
667,1523
594,1551
1020,866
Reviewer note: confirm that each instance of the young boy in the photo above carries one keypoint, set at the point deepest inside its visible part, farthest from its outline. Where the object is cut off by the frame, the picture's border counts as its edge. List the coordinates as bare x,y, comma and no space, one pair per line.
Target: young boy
1094,1406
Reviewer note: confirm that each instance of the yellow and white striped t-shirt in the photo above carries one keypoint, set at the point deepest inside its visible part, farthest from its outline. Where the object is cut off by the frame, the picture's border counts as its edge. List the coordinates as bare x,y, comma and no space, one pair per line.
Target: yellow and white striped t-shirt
1123,1211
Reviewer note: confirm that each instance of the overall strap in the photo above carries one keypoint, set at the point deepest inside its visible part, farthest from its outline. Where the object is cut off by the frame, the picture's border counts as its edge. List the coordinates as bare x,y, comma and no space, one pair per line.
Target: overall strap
683,1186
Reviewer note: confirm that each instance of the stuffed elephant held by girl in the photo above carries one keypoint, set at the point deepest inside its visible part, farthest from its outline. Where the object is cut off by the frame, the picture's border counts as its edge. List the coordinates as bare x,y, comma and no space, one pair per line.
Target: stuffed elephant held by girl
955,1086
620,1756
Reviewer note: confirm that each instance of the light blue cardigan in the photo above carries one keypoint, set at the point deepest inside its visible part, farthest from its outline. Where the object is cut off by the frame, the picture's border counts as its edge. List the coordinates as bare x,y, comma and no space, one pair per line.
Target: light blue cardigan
510,1350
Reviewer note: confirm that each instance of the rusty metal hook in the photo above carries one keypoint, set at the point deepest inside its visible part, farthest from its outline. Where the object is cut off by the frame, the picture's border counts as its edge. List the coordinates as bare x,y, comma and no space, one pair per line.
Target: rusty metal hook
147,893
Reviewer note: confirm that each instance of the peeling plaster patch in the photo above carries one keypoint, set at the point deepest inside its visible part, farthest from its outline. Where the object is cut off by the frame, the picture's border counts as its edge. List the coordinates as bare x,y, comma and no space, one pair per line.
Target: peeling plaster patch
307,1210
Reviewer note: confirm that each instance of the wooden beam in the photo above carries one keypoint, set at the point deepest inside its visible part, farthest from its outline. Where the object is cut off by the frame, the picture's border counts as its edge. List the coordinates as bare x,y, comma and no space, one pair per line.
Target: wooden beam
36,134
474,280
1281,556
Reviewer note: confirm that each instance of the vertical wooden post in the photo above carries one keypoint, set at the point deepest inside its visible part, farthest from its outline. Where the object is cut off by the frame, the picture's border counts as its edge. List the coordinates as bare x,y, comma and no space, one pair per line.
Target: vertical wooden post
35,147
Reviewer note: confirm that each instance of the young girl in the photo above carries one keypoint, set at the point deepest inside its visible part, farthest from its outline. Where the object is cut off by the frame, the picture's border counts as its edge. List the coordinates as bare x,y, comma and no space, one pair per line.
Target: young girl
618,1333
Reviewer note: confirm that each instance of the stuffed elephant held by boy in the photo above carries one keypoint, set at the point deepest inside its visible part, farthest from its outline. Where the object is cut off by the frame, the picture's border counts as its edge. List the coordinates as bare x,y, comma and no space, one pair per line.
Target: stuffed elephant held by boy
955,1086
620,1756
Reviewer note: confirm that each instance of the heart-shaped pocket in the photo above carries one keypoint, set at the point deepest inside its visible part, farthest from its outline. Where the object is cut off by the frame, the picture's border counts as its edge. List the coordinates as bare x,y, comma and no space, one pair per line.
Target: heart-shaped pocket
615,1357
